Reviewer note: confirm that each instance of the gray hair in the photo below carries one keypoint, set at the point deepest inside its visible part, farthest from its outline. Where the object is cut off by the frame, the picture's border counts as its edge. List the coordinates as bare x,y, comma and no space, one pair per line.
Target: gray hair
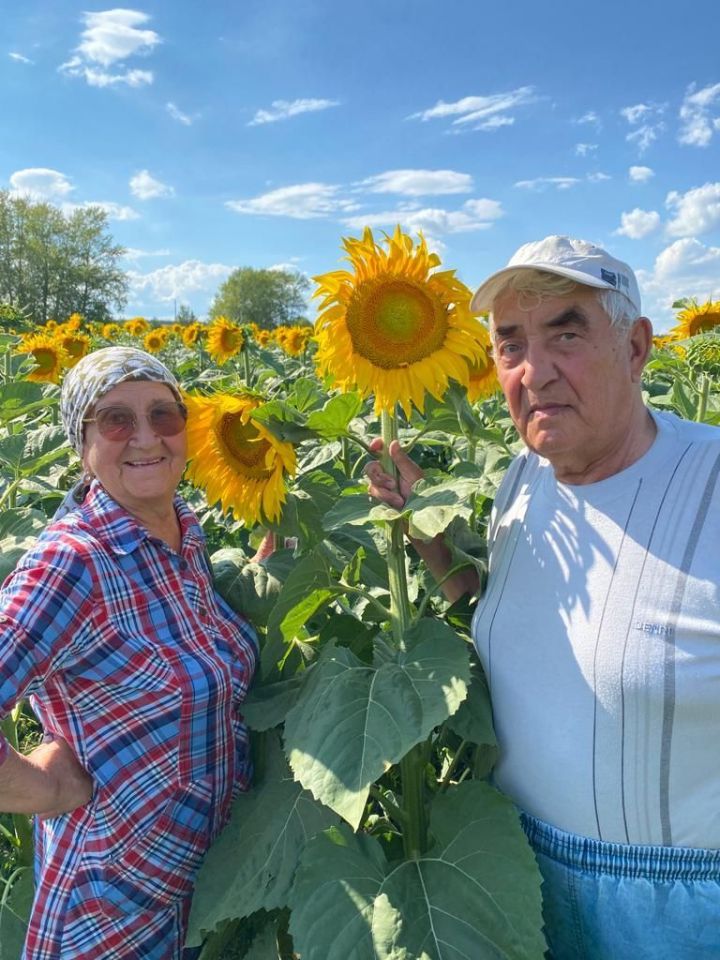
540,285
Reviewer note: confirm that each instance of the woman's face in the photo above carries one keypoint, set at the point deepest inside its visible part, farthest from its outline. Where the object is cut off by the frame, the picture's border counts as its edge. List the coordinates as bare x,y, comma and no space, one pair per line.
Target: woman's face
142,472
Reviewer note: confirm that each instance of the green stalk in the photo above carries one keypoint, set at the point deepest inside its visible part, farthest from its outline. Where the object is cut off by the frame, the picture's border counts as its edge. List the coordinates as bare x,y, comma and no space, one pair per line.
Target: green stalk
248,368
412,765
703,398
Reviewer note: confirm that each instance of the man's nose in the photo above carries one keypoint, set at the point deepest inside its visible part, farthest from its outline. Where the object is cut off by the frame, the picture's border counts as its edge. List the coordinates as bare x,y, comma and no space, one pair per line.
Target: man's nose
538,368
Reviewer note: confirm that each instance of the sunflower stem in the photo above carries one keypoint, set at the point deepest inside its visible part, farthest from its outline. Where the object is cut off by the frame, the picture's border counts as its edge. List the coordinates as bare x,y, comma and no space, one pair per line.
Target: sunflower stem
703,398
246,364
412,765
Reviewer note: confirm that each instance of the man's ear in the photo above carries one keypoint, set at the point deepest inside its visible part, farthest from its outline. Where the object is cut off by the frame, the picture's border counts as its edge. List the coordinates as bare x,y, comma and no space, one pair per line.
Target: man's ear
639,346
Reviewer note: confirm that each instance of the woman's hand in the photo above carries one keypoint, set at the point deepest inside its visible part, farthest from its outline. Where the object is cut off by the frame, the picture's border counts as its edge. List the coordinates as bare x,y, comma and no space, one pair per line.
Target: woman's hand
385,488
47,782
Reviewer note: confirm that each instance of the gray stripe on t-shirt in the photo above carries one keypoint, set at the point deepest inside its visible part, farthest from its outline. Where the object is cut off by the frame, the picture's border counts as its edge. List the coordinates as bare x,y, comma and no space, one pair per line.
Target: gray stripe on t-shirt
670,652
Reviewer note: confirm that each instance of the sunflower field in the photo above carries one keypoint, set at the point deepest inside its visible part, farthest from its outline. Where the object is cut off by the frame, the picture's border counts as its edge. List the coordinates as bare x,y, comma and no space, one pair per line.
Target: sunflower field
372,830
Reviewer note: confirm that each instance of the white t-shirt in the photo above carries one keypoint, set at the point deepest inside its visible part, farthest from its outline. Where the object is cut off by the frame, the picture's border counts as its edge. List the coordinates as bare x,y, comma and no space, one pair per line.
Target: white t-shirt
600,637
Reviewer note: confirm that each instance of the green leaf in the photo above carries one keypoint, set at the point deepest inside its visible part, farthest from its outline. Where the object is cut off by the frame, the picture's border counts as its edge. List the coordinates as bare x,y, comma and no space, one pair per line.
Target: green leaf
265,945
475,894
11,550
305,394
252,864
283,420
18,399
15,913
12,449
353,508
435,505
308,587
473,721
352,719
267,705
43,447
22,522
249,588
333,420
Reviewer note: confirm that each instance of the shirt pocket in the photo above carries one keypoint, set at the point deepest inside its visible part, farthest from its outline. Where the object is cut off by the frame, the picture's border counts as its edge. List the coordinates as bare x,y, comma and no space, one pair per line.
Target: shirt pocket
159,868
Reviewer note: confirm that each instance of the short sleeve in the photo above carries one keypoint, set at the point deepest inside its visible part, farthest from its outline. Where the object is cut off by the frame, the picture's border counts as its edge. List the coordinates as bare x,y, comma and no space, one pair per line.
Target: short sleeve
46,608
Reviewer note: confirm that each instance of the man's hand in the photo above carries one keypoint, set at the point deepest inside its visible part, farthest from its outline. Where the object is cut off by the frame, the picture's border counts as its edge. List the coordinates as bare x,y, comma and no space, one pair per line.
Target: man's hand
384,487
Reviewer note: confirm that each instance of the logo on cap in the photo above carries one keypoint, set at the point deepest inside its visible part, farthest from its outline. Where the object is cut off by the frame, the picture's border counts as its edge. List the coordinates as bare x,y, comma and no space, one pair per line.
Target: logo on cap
608,276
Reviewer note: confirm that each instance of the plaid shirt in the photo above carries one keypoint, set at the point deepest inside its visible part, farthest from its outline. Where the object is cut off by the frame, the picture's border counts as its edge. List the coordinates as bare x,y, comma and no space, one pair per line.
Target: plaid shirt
129,655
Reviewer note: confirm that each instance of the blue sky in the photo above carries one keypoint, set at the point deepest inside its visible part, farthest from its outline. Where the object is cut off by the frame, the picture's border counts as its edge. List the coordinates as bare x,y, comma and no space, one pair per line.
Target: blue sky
220,135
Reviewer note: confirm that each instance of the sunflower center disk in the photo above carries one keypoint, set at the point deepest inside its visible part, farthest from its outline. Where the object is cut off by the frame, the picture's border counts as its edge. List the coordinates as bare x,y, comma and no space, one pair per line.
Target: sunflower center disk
395,323
45,359
245,446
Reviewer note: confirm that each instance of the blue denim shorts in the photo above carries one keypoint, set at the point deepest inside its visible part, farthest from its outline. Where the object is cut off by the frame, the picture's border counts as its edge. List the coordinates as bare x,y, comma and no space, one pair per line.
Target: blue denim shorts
615,901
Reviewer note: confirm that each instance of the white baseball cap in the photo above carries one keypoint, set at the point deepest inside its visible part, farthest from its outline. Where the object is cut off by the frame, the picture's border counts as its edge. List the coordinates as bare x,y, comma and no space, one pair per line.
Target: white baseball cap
577,259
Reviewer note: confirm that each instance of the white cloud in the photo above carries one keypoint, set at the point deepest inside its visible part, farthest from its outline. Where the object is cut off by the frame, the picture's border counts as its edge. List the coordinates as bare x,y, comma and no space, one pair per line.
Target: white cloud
583,149
302,201
471,109
646,135
19,58
635,114
146,187
176,281
134,253
638,223
494,123
417,183
40,184
696,211
646,118
114,211
476,214
282,109
110,37
686,268
590,118
697,123
598,177
640,174
177,114
539,183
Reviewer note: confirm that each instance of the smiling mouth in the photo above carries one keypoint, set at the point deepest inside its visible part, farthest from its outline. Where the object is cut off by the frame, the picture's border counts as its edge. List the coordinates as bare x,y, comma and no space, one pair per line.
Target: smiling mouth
144,463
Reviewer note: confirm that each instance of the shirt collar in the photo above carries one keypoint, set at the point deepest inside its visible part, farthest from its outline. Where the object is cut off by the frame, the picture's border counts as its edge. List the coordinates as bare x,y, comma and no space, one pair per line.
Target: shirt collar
122,532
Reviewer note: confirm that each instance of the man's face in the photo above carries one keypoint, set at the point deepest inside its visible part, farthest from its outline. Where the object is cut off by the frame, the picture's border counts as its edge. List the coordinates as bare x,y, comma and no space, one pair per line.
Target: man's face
570,379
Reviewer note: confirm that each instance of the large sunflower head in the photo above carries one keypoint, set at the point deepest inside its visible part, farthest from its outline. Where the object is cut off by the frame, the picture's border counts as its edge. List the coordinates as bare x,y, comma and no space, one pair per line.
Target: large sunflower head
110,330
235,459
392,327
49,356
224,339
695,318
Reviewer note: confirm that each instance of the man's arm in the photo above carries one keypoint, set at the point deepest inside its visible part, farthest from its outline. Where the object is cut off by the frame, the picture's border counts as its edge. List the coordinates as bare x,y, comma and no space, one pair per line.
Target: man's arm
435,553
49,781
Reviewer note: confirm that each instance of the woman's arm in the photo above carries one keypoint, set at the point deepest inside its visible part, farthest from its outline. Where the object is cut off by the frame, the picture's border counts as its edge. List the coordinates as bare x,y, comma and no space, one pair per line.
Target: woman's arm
49,781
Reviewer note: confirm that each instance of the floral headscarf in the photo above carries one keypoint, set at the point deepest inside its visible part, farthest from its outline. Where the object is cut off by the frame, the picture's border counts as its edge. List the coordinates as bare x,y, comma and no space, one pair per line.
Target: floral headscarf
100,371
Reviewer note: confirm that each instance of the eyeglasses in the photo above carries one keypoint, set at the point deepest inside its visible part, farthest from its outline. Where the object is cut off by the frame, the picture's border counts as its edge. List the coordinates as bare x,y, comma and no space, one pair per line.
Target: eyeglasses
120,423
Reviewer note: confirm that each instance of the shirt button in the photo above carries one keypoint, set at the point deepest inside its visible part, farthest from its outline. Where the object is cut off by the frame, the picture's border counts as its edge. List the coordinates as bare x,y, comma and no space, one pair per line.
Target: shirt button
183,564
202,611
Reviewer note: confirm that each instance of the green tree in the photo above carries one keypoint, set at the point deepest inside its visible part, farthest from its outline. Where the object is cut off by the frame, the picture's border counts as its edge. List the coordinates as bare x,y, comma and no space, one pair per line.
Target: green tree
52,265
269,298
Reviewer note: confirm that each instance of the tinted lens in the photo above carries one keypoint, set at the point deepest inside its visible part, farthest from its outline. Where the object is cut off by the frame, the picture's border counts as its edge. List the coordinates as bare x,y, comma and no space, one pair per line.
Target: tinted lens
168,419
118,423
115,423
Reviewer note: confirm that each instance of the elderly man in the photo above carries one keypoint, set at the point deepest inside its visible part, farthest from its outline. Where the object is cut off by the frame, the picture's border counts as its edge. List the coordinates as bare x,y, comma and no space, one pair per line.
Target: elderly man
599,630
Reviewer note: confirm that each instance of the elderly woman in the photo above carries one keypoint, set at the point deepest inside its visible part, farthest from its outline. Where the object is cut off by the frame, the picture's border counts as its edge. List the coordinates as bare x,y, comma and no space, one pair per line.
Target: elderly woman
136,669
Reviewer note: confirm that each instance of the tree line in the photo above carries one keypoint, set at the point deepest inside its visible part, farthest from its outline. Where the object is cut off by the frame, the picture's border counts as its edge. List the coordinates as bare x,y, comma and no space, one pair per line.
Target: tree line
53,264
